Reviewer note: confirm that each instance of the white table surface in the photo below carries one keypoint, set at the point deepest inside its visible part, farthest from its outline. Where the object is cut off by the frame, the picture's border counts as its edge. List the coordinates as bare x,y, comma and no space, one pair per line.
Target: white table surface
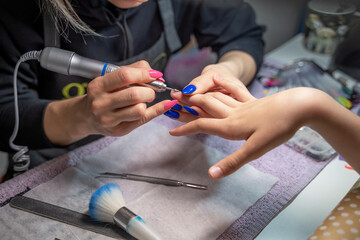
308,210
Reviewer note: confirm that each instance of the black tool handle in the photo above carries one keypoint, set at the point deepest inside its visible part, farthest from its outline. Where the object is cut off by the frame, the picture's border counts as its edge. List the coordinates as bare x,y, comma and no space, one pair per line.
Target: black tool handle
68,216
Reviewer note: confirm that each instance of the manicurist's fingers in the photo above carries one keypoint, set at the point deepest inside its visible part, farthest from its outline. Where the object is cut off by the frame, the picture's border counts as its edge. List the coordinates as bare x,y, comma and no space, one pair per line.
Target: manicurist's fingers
125,76
150,113
120,99
140,64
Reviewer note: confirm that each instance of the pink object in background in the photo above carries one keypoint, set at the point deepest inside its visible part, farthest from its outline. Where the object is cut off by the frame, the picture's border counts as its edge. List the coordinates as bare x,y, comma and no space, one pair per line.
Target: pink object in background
185,66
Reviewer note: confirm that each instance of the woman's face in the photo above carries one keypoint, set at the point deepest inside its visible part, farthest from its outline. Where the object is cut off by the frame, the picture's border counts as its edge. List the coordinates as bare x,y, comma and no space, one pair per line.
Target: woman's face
127,3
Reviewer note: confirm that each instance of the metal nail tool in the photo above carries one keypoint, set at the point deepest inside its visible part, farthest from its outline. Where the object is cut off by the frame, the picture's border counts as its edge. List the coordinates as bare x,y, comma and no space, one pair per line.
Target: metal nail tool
163,181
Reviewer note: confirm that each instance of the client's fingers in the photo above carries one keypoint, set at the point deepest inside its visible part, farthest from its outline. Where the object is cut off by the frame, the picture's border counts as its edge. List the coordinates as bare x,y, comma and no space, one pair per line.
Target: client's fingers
236,88
224,98
200,125
211,104
253,148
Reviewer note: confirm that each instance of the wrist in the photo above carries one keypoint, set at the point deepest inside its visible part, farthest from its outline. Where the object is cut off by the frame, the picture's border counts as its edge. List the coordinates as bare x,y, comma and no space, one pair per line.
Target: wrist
312,106
219,69
240,64
65,122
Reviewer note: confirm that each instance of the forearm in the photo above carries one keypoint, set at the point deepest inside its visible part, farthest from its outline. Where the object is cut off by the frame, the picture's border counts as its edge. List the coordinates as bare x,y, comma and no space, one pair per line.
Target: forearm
340,127
65,121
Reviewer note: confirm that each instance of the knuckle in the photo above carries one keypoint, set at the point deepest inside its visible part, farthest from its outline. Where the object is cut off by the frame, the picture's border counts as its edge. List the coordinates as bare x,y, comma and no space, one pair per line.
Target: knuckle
95,106
206,98
217,95
231,165
105,121
135,95
143,64
98,105
94,87
139,110
200,124
151,95
124,74
249,150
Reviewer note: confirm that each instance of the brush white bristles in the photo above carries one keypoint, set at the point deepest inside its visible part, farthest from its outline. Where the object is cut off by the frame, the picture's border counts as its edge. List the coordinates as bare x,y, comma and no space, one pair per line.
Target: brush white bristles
105,202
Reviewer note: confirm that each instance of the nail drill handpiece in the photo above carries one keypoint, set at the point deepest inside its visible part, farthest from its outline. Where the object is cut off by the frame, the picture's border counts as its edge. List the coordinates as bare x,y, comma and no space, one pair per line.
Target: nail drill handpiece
70,63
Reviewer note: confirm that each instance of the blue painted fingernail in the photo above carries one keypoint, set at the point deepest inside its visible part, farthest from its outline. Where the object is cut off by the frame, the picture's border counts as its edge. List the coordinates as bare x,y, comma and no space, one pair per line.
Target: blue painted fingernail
189,89
172,114
177,107
190,110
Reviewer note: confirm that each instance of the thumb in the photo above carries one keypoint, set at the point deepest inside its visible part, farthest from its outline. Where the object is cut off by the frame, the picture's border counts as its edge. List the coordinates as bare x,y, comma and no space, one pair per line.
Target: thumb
227,165
151,113
253,148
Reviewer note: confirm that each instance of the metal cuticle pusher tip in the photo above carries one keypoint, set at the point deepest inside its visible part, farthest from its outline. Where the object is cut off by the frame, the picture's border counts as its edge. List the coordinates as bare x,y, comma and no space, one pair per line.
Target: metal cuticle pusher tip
172,89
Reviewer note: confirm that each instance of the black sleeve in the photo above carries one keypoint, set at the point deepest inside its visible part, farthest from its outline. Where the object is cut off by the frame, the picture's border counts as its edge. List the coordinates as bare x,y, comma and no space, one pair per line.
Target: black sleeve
20,32
229,25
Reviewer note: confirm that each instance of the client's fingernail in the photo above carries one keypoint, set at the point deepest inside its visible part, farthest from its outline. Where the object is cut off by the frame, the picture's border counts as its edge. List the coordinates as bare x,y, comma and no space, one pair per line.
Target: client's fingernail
171,104
216,172
172,114
160,79
190,110
177,107
189,89
155,74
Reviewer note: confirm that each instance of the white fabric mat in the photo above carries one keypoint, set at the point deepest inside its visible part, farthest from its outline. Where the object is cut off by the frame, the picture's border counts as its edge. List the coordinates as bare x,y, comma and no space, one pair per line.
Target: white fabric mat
174,212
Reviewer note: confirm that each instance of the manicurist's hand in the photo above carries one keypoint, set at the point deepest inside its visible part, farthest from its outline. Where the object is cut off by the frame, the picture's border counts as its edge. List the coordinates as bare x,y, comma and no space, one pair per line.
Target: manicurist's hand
109,108
264,123
233,66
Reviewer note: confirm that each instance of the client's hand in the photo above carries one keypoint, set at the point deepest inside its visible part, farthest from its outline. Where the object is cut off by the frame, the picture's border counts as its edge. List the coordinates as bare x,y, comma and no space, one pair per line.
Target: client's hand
264,123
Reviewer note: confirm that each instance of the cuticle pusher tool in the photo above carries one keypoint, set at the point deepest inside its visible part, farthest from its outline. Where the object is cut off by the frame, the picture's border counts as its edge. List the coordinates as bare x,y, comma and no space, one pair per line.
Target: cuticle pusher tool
155,180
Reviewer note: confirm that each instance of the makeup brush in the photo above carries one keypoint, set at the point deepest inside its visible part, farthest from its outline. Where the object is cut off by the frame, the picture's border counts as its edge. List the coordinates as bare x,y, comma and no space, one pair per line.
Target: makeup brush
108,205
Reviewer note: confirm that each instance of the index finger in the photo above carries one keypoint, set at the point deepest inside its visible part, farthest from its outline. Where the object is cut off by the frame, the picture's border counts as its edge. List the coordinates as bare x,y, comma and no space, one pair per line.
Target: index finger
125,76
236,88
